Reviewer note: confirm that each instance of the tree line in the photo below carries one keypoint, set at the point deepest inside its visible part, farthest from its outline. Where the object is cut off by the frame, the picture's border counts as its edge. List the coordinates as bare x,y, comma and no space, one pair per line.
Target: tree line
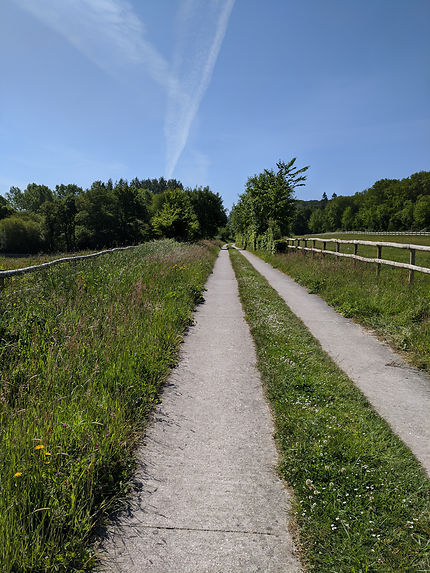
107,214
389,205
267,210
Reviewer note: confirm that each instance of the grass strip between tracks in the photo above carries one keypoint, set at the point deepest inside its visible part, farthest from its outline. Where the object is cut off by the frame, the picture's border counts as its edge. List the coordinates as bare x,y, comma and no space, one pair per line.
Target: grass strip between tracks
84,350
362,501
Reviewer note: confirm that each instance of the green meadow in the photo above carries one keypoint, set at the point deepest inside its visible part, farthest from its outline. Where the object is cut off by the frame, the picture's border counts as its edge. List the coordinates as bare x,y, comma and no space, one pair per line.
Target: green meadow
85,349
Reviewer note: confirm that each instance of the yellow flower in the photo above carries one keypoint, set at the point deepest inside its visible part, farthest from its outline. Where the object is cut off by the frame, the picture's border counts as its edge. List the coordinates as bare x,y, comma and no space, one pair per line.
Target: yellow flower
47,454
47,462
39,447
17,474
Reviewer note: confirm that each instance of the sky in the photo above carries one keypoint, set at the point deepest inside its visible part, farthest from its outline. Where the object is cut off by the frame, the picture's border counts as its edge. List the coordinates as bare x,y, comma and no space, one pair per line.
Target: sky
211,92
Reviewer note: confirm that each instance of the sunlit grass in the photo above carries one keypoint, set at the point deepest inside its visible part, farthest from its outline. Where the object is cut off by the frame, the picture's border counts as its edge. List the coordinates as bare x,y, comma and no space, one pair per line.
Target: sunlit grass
362,501
422,258
397,311
9,262
84,349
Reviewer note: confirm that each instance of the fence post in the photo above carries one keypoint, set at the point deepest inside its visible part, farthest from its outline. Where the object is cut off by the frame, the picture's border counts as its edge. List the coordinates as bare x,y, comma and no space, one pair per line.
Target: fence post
411,262
306,244
355,253
324,248
378,256
313,246
337,249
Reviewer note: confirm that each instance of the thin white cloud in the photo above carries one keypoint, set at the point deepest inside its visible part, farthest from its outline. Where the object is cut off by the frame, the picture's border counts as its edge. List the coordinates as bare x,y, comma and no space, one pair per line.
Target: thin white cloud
107,32
111,34
202,27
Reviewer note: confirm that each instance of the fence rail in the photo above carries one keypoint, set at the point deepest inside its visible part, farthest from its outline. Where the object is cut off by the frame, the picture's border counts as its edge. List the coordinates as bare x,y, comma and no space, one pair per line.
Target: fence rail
14,272
412,267
396,233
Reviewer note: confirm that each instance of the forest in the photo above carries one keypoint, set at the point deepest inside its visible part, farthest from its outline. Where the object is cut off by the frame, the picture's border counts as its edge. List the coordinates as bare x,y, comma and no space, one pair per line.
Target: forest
107,214
389,205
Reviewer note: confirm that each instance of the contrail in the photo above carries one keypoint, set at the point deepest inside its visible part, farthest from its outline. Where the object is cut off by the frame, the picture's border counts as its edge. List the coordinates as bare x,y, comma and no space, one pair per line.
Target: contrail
111,35
197,47
107,32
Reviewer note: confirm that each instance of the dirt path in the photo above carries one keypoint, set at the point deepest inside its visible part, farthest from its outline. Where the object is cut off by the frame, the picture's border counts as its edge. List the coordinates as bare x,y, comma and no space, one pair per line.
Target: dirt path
398,392
209,499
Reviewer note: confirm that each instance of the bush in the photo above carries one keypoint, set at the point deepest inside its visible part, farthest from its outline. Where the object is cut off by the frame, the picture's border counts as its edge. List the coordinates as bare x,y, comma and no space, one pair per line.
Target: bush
21,234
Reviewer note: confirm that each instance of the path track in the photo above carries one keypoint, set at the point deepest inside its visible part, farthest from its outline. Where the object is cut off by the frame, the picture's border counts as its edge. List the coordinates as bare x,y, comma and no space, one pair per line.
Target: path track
209,498
398,392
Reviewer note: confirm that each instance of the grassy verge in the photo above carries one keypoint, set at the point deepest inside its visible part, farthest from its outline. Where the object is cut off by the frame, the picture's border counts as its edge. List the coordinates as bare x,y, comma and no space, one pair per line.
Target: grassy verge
389,253
9,262
397,311
362,501
84,349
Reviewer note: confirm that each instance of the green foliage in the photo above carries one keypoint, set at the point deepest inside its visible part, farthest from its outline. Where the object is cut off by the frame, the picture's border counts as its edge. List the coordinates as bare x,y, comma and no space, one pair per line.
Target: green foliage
176,217
267,203
85,349
210,211
21,234
389,205
111,214
31,199
362,501
5,209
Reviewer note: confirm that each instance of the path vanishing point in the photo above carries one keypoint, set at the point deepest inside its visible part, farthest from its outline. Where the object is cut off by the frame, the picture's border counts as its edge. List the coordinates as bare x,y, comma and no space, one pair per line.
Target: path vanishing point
208,499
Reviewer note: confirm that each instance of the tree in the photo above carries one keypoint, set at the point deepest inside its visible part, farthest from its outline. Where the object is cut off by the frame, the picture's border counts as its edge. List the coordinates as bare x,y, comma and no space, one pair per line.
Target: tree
131,212
316,221
270,197
348,219
21,234
5,209
210,211
96,223
31,199
422,212
176,217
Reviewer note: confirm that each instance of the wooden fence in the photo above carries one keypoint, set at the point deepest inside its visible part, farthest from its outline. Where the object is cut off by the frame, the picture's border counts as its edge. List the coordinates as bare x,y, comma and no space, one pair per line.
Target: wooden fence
14,272
294,243
396,233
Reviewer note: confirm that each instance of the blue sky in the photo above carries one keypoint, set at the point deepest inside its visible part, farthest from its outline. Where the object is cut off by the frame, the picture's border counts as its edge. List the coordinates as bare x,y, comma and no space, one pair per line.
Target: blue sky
213,91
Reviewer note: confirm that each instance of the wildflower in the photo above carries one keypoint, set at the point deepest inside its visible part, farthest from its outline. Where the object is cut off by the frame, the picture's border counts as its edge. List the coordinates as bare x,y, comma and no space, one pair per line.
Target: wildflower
47,463
17,474
47,454
39,447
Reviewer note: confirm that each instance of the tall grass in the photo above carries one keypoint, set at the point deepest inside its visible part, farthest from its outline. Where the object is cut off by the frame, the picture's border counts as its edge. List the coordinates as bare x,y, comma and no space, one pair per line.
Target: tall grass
84,349
422,258
397,311
8,262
